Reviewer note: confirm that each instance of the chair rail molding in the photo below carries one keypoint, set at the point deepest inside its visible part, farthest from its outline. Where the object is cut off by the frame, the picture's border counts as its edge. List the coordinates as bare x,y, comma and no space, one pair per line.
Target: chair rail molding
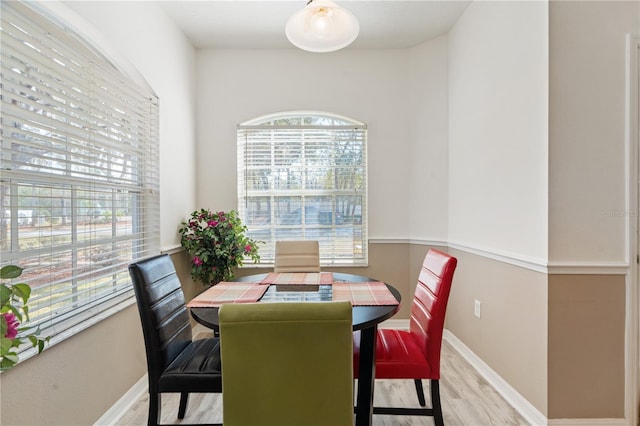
588,268
515,259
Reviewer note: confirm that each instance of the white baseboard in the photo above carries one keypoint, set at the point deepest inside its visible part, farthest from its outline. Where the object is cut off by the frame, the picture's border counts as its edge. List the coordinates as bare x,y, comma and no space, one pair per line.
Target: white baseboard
517,401
588,422
125,403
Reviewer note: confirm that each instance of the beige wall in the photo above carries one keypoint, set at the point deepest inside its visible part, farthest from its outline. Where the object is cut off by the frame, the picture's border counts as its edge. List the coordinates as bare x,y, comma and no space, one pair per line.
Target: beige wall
511,333
76,381
586,346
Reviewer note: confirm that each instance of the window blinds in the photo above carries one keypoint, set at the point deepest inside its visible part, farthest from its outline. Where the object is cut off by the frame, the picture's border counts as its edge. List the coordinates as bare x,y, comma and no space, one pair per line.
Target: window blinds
304,176
79,170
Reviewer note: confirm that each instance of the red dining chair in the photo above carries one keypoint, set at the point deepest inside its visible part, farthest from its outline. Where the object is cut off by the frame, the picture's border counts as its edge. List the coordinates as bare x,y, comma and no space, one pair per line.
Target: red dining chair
415,354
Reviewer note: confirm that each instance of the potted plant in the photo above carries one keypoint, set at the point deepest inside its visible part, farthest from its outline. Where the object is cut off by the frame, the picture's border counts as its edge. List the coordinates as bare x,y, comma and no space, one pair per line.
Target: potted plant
14,313
217,243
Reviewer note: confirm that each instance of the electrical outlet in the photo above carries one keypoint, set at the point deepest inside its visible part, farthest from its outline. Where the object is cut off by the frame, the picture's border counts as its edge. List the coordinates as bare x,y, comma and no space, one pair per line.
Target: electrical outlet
477,308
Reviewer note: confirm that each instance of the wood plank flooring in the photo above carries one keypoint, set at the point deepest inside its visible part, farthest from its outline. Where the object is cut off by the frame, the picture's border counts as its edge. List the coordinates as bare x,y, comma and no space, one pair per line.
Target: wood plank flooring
467,400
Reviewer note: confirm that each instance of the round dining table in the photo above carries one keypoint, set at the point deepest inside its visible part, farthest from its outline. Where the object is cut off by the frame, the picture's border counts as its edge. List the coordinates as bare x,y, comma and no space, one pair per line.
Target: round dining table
365,320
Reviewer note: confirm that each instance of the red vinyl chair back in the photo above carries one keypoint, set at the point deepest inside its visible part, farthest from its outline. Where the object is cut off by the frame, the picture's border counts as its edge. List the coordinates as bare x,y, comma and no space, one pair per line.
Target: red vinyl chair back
429,306
415,354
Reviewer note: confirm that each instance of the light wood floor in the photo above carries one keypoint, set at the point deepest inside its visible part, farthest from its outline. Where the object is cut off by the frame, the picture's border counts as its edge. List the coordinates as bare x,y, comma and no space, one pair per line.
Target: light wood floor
467,400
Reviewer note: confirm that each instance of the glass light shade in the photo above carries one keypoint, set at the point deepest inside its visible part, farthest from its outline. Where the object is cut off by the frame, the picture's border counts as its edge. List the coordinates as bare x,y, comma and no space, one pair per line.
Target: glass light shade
322,26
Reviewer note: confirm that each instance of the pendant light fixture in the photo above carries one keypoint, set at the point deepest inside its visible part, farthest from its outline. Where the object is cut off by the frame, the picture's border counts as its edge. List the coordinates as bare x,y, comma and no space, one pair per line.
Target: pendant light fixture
322,26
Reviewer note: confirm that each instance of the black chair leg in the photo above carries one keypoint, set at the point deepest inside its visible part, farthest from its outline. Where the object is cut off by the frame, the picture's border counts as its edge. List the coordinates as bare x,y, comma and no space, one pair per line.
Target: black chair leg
435,403
182,409
420,392
154,409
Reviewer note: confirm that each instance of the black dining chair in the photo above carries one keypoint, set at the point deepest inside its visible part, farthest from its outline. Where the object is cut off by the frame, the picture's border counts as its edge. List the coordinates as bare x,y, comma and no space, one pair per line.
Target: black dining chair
176,363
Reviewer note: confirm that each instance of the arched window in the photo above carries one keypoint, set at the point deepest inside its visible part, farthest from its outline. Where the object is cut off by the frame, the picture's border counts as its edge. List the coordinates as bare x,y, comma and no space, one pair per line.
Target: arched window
303,175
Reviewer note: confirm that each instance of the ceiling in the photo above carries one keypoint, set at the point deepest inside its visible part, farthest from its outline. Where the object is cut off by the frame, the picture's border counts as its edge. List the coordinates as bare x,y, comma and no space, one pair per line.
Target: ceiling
241,24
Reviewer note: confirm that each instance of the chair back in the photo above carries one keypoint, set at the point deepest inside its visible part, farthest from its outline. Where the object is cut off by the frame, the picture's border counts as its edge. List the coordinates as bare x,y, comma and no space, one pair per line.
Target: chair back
429,305
163,313
287,363
297,256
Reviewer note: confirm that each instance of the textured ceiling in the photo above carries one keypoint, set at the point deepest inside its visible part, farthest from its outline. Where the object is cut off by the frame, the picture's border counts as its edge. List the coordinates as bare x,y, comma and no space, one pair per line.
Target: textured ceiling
240,24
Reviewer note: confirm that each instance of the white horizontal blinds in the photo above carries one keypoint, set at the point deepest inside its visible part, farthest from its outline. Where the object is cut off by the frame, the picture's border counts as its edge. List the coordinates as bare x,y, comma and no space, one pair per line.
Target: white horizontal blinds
303,176
79,164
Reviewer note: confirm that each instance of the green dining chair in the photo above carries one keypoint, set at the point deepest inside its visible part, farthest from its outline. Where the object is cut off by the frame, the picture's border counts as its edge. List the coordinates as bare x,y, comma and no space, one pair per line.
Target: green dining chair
287,363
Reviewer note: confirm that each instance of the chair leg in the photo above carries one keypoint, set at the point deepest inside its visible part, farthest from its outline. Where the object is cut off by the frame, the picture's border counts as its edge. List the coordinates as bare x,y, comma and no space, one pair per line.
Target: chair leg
154,409
420,392
435,403
182,409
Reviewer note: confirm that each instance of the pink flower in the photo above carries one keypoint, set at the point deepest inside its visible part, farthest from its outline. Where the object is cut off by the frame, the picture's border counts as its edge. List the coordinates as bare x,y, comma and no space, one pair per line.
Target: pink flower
12,325
212,223
197,261
247,248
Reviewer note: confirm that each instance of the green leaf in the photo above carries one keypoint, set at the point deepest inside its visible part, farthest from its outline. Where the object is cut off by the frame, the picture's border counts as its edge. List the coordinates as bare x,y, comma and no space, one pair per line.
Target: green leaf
5,345
3,328
33,339
25,308
23,291
9,272
9,360
16,312
5,294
